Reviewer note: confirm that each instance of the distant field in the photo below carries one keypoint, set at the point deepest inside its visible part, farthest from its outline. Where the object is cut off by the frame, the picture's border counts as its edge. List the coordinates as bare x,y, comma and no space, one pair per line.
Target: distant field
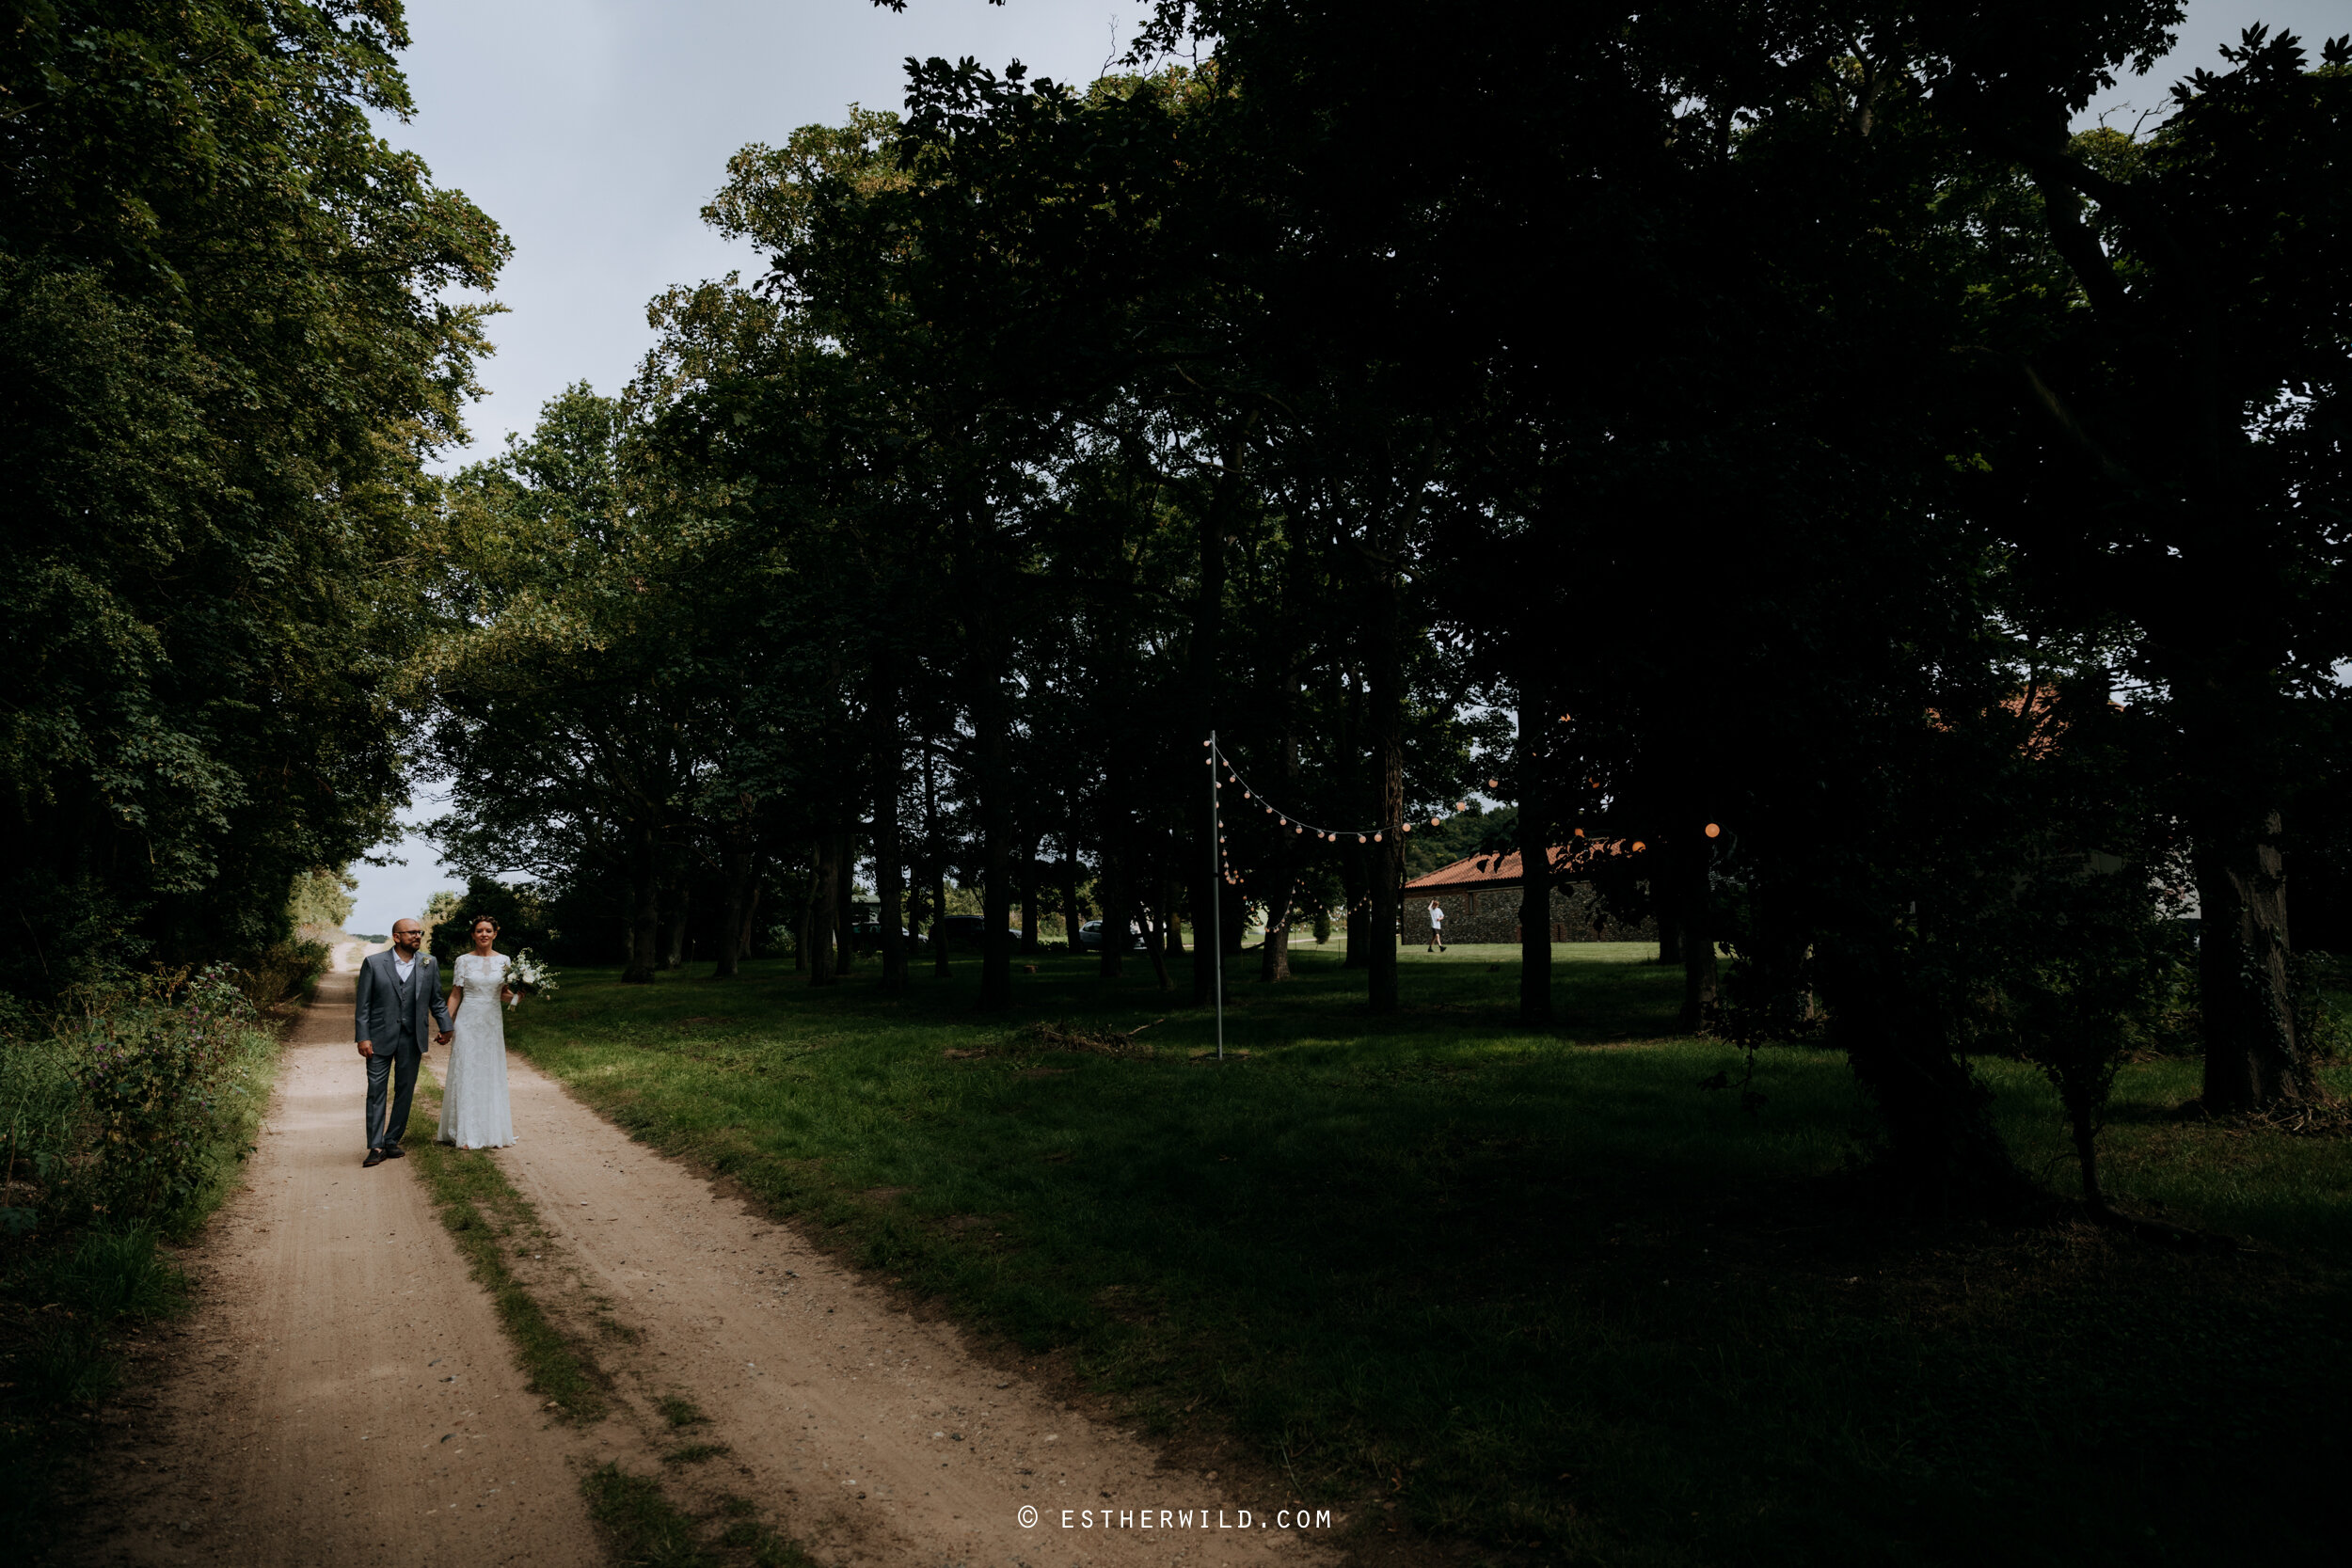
1541,1292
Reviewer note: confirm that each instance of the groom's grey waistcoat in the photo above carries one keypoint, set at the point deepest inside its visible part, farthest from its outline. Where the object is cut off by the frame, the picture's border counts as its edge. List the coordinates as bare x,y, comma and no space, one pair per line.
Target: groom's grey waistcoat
397,1016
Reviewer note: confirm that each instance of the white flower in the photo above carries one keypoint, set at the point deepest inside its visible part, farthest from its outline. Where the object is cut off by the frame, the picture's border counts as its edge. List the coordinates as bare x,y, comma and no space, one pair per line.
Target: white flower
525,972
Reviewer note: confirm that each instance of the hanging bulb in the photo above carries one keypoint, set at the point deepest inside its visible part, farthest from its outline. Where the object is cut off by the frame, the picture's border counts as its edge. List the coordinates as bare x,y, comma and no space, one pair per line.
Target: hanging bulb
1299,830
1360,838
1639,847
1244,794
1494,784
1715,830
1437,821
1375,838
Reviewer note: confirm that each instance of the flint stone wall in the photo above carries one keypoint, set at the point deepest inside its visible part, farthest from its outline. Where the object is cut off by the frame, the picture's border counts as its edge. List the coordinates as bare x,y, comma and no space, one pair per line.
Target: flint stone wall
1492,915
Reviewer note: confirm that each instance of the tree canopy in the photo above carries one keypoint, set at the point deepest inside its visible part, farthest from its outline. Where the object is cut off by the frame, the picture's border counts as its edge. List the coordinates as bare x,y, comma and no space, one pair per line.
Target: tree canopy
226,354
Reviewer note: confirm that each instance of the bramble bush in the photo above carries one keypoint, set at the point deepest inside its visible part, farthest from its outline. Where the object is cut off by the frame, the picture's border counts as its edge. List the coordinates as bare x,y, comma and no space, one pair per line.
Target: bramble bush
130,1106
123,1115
284,969
162,1071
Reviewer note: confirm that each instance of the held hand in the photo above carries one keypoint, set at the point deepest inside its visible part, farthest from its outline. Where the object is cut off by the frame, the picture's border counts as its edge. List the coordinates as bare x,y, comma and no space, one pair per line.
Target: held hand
445,1036
367,1047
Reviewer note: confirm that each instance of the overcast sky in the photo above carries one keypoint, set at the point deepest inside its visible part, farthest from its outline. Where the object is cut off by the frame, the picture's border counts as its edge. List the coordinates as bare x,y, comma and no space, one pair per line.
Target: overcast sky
594,131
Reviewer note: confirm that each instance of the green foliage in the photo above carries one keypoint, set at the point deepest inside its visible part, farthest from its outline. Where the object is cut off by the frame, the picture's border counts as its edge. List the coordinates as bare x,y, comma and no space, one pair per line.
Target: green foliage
222,321
120,1121
322,898
1476,831
284,970
165,1090
522,917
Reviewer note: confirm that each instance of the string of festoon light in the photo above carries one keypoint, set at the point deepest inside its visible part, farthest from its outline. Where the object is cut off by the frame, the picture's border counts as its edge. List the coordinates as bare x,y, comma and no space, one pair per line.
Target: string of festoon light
1223,772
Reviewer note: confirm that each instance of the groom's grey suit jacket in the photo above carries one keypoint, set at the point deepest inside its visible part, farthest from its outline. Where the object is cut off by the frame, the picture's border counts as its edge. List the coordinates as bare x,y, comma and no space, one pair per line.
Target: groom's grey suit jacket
382,1018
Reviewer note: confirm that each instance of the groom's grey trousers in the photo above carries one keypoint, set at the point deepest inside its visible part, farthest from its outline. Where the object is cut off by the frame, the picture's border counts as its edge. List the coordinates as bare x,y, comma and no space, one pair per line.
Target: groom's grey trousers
394,1016
397,1063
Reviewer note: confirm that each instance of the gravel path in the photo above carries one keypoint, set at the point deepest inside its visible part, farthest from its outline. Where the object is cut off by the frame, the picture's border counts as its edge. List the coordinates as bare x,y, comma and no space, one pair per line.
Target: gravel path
343,1394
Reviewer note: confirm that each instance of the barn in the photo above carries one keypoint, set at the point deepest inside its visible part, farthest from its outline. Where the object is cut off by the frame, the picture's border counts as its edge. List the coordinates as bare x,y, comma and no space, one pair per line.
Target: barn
1481,897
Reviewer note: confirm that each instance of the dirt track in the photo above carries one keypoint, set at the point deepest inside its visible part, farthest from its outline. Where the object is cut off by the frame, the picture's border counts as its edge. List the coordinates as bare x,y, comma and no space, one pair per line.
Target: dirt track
343,1394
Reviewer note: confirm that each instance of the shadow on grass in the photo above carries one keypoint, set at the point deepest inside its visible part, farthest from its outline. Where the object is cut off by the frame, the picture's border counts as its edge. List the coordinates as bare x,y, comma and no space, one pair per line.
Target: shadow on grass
1542,1291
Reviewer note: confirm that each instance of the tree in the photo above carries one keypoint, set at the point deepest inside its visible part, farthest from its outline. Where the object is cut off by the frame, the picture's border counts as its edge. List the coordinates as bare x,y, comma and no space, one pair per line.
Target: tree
2181,485
227,359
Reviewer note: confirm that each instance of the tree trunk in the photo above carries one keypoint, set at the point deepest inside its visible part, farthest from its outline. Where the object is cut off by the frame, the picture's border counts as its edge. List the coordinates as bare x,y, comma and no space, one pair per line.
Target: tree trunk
822,898
1029,945
804,933
1110,892
734,865
938,866
677,926
1669,930
889,869
1273,954
1356,883
1156,947
751,913
2083,1117
939,929
1071,916
996,852
1943,1158
844,910
1691,857
644,891
1387,864
1535,834
2252,1059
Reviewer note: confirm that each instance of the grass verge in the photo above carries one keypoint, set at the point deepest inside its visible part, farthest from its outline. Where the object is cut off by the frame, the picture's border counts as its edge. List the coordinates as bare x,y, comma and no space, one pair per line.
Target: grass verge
644,1526
1542,1291
646,1522
70,1297
481,1209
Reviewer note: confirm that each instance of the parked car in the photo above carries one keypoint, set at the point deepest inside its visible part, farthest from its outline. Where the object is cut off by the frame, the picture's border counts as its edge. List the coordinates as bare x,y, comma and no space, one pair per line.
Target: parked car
1091,936
866,935
965,930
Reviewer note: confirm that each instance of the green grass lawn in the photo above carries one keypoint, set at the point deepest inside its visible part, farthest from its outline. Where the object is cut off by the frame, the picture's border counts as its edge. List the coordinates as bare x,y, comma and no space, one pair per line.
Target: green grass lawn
1539,1293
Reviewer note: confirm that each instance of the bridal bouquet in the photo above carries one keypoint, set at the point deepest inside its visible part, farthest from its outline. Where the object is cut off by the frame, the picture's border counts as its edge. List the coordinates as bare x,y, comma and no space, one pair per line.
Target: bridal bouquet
527,974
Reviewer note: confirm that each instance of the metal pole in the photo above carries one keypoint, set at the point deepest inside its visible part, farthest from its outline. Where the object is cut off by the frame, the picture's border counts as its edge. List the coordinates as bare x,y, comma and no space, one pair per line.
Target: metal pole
1217,899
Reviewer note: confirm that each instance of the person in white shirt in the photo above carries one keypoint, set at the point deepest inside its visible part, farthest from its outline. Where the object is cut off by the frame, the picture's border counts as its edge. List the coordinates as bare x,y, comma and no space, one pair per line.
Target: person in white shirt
1437,927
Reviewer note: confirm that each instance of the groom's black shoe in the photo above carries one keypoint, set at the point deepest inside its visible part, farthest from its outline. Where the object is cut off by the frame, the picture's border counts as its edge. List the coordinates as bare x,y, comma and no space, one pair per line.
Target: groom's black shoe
375,1157
393,1151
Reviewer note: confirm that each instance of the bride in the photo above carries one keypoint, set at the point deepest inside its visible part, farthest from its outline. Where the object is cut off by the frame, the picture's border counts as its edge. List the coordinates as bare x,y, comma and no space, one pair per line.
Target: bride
473,1095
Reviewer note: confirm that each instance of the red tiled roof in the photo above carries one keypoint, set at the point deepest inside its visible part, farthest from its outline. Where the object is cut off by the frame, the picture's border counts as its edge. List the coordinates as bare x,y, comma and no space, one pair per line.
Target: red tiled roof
1503,870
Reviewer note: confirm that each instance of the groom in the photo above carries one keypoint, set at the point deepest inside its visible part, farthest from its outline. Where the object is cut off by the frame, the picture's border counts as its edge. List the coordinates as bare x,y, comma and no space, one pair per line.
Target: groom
400,999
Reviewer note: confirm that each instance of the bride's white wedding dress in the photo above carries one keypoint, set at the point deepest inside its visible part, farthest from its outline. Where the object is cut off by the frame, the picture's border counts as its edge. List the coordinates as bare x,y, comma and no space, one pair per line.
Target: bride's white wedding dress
473,1095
